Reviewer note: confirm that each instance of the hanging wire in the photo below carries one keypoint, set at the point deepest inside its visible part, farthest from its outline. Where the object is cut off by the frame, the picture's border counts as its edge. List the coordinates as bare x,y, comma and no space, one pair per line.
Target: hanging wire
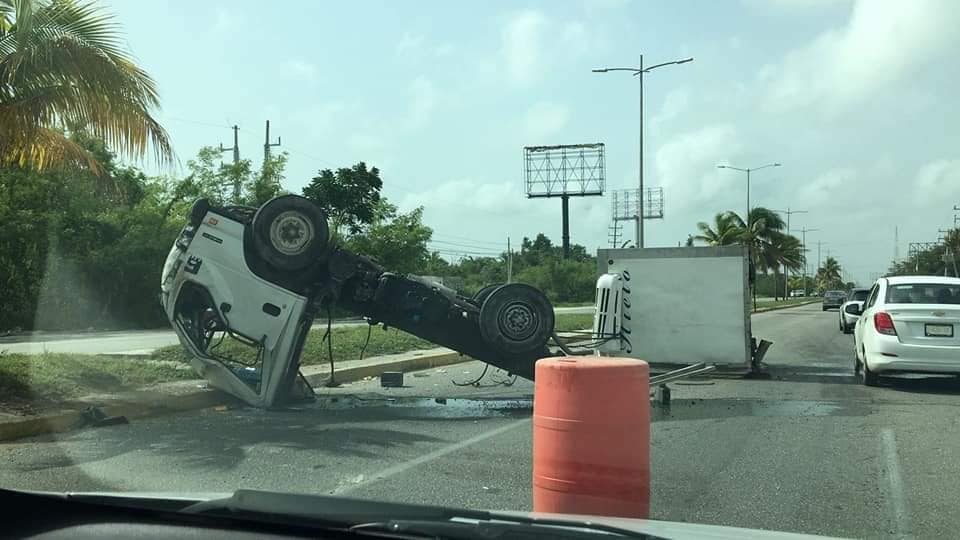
475,382
366,341
328,335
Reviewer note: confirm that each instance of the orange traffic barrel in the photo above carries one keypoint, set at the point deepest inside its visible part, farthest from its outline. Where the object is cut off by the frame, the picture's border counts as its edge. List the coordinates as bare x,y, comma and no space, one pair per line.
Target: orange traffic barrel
591,436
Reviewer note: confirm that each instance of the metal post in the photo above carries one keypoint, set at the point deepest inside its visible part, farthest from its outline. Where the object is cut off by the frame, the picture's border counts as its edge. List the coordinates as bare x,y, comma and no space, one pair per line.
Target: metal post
565,199
641,194
509,262
267,144
746,218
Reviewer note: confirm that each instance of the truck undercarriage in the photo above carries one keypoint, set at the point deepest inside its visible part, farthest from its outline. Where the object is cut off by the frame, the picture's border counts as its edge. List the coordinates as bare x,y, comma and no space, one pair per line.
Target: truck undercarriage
262,276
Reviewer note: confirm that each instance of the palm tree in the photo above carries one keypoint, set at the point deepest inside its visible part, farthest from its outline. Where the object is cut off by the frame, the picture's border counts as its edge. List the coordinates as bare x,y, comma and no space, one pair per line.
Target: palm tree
829,275
724,231
758,235
785,252
62,71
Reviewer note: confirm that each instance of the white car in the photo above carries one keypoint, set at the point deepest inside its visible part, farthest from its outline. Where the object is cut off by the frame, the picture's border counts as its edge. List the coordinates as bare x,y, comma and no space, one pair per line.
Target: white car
908,324
847,320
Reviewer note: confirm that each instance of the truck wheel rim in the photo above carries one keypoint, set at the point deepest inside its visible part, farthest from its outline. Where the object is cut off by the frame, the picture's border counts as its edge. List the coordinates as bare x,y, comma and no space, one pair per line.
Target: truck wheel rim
518,321
291,232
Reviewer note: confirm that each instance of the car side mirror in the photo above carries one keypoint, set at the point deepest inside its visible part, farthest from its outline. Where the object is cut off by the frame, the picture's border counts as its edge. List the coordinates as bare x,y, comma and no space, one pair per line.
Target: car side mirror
853,309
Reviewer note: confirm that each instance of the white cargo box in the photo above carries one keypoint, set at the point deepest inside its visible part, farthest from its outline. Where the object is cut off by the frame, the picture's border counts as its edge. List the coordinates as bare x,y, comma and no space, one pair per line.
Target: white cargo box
678,305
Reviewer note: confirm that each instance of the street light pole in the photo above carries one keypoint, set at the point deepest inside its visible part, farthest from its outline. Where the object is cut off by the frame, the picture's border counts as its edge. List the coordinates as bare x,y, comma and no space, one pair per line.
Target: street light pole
786,271
640,71
746,218
640,209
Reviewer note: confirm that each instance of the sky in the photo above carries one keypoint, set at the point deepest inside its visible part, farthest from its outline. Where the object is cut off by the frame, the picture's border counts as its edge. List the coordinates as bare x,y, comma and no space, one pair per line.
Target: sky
855,98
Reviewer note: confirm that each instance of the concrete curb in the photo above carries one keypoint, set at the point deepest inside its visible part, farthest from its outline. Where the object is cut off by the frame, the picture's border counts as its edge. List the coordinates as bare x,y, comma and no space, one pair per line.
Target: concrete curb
778,308
160,404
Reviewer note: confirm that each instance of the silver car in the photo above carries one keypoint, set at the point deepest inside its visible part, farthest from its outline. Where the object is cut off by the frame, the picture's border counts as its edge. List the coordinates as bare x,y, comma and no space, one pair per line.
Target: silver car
847,320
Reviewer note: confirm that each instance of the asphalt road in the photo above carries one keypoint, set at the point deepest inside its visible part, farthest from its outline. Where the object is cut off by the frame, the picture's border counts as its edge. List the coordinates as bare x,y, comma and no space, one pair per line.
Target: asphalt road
807,450
131,341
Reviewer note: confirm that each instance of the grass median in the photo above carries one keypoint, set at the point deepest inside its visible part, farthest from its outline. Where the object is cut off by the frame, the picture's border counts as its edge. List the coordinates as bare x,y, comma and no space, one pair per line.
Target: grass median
31,383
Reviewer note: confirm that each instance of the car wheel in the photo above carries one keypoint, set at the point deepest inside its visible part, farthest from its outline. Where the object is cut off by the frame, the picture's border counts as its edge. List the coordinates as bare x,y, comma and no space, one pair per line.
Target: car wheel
847,329
870,378
856,363
290,232
516,319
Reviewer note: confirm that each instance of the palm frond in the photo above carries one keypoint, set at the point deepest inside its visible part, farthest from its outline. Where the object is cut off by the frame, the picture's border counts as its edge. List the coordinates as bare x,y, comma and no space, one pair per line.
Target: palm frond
62,67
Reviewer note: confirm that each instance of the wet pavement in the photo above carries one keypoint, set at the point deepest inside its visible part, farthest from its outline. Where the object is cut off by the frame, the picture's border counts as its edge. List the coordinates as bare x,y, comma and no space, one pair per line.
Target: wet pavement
808,449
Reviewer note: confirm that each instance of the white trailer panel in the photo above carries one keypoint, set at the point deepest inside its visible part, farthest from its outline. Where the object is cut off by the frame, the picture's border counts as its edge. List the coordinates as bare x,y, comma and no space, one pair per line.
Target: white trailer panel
682,305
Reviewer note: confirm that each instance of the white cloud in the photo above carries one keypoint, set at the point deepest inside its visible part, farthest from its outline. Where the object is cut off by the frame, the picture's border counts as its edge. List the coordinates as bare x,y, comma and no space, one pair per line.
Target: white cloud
226,20
444,50
831,189
301,69
522,44
502,198
424,99
409,45
686,167
794,5
543,120
883,42
937,182
675,103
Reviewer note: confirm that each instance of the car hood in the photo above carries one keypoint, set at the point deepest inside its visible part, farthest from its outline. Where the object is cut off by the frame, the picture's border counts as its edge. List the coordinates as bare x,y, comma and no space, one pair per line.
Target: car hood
665,529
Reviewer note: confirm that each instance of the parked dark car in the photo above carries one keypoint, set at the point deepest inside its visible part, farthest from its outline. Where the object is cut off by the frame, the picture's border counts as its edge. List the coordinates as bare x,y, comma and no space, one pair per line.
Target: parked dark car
833,299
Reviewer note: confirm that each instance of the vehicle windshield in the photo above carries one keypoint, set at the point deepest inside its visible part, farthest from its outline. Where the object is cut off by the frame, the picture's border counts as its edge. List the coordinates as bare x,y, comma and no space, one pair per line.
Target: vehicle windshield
591,257
923,293
859,296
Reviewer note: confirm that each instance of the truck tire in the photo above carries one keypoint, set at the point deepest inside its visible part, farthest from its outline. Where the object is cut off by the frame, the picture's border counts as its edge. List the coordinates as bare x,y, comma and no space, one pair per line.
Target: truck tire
516,319
290,232
483,293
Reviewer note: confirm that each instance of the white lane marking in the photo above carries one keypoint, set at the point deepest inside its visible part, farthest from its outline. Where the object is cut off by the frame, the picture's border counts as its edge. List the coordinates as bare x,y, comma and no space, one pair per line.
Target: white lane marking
362,480
888,449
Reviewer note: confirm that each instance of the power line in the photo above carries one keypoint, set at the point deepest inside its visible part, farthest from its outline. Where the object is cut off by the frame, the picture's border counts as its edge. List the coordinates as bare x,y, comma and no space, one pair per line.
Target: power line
460,244
467,239
199,123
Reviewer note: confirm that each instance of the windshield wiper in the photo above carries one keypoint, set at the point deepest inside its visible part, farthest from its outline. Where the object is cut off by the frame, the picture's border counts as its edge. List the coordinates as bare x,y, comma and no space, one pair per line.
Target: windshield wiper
397,518
502,527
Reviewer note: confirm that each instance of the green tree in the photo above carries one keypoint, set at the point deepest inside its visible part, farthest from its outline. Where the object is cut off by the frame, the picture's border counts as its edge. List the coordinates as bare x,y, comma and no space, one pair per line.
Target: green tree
62,68
350,196
397,241
723,232
234,183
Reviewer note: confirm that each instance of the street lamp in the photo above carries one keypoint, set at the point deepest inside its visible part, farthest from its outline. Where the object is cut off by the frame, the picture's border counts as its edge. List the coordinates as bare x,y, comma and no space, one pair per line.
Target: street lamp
746,218
641,71
786,272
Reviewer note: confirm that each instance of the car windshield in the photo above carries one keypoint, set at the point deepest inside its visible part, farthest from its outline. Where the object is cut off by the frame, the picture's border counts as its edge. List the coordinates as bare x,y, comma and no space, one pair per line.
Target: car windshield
923,293
586,257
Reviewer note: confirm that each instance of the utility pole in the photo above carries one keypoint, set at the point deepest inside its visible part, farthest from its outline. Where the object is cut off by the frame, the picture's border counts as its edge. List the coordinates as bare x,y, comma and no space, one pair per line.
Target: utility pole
956,218
236,147
267,144
803,241
509,262
896,244
786,272
236,159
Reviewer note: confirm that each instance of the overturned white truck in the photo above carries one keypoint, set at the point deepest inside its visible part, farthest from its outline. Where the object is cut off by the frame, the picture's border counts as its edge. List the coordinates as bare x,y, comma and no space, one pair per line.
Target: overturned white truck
677,306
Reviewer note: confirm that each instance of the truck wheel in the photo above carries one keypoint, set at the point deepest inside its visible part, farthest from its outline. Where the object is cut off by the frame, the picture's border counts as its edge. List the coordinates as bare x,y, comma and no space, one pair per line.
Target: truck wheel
290,232
516,319
483,293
